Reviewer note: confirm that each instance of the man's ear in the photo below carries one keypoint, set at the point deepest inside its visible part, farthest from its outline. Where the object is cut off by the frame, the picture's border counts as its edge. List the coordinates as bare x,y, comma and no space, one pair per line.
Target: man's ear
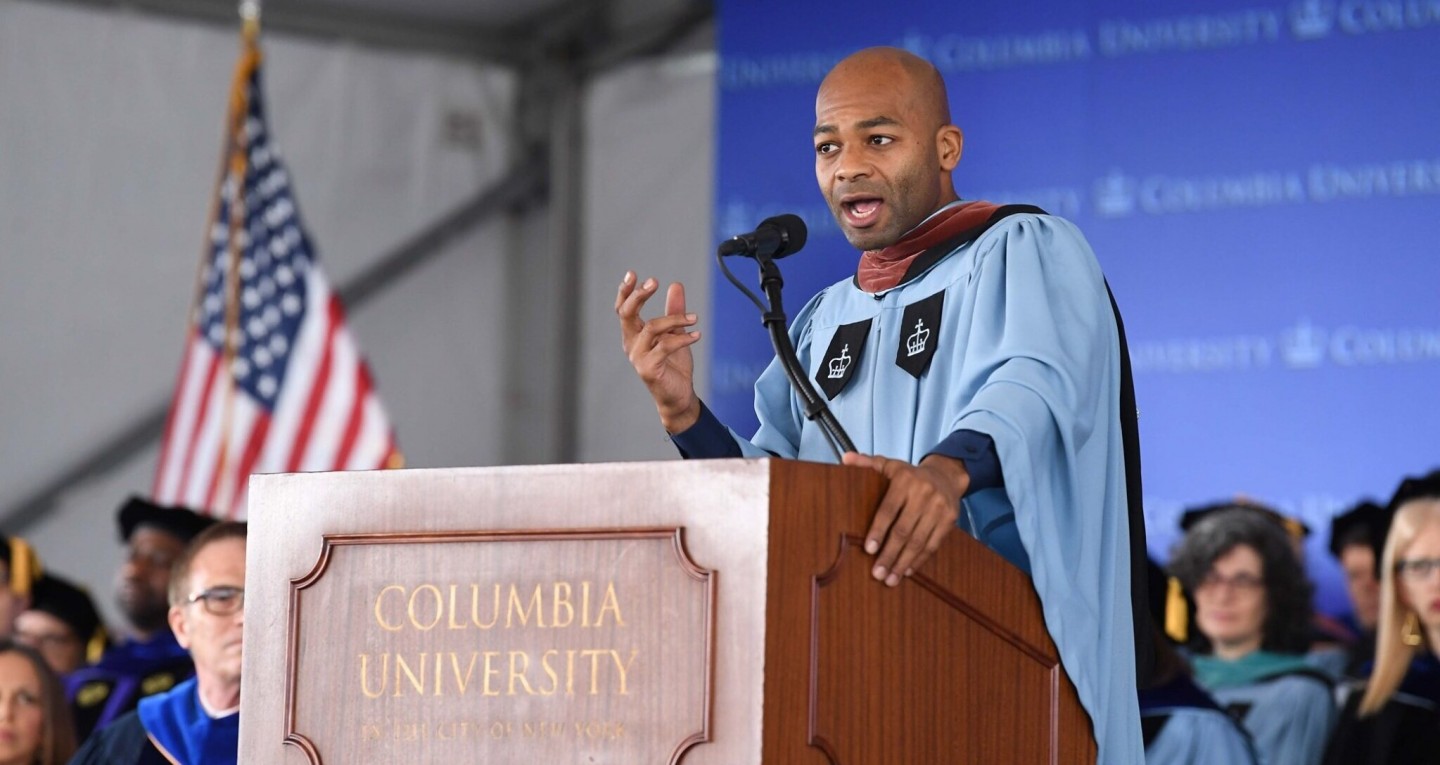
178,626
949,144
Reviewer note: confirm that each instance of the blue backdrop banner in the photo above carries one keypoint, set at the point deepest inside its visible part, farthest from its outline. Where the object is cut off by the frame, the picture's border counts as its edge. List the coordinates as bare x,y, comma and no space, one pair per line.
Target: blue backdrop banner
1260,181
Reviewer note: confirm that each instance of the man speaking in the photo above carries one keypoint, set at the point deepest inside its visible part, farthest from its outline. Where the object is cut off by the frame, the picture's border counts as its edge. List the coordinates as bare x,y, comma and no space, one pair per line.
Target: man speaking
975,359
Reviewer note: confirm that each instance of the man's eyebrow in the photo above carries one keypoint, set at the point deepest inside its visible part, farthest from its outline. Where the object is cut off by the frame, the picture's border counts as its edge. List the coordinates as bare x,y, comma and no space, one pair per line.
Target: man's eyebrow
873,122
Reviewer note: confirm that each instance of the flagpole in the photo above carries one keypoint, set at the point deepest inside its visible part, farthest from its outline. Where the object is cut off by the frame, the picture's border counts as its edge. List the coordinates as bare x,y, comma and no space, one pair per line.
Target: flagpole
238,160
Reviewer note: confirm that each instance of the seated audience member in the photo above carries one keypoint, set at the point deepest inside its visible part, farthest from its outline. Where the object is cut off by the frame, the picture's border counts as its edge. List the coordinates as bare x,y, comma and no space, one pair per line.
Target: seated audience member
150,660
62,624
1181,723
198,721
35,726
1329,639
1356,538
1396,720
1252,613
19,568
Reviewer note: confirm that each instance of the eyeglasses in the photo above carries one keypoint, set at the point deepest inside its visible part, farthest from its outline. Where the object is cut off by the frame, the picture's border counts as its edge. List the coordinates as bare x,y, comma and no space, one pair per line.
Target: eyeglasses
45,640
220,601
1246,583
1417,569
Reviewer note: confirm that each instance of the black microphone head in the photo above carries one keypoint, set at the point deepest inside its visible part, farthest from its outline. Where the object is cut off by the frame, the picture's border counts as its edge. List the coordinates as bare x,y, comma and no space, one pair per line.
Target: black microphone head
792,232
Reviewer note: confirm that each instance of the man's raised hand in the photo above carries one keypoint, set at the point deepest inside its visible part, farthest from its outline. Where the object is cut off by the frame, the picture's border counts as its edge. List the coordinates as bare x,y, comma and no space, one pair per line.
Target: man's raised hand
659,349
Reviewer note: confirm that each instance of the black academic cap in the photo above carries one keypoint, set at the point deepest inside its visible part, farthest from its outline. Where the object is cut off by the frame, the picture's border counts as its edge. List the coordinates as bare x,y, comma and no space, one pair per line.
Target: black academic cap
1416,487
1366,520
68,603
1294,527
181,522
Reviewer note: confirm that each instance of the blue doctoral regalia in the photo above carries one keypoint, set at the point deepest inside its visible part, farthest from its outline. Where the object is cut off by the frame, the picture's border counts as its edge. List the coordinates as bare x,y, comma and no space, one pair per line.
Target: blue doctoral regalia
1285,703
1184,726
1025,351
102,693
171,727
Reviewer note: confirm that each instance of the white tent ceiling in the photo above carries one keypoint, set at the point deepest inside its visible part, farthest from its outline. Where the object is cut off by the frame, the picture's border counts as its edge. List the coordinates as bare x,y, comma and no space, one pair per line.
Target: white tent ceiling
445,247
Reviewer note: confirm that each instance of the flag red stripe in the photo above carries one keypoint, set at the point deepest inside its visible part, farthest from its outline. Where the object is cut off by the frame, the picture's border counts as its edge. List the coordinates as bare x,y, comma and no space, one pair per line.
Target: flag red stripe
200,417
357,415
247,463
170,419
224,463
317,388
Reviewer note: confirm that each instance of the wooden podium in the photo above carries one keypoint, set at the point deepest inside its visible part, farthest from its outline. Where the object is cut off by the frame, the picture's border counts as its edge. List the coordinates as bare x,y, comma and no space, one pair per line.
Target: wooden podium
704,612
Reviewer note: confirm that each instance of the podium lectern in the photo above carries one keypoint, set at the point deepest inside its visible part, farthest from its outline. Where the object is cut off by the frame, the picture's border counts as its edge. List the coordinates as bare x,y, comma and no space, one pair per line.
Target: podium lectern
703,612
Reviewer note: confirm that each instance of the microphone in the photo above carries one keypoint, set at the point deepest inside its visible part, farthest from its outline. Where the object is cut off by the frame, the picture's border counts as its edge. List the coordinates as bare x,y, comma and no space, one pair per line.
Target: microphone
774,238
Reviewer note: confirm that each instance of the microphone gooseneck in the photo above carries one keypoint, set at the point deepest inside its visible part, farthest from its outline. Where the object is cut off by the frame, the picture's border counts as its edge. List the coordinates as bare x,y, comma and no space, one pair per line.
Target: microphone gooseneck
775,238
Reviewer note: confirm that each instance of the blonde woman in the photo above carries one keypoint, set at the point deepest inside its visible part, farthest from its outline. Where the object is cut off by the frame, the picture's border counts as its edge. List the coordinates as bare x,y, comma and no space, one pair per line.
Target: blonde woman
1396,720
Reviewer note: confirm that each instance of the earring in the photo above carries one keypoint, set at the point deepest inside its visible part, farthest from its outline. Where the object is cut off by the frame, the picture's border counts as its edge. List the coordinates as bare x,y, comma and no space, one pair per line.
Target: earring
1410,633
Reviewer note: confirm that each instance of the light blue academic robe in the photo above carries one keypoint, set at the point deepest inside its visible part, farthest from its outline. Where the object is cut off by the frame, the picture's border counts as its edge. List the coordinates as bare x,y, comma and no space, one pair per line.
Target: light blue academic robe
1197,736
1289,717
1028,354
1288,705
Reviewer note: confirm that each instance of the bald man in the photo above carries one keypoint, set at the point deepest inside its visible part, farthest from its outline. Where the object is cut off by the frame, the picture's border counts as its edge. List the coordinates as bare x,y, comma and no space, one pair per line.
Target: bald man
975,359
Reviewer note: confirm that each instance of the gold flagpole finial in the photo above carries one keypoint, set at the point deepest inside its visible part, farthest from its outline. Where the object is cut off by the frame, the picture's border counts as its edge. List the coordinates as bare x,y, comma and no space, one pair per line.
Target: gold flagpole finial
250,17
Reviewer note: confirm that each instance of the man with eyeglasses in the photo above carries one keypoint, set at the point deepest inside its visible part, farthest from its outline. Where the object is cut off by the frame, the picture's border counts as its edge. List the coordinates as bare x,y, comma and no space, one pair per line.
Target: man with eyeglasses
198,721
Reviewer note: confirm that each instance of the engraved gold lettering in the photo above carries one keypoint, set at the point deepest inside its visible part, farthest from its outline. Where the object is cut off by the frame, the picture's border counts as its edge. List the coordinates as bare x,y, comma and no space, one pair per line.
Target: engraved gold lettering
560,597
520,674
439,607
450,620
489,655
570,672
365,676
585,604
475,607
624,668
437,674
417,681
550,671
516,608
462,682
379,618
610,603
594,655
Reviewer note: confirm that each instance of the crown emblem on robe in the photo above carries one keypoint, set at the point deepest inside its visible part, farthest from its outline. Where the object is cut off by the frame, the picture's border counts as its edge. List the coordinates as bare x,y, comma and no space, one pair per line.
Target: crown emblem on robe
915,343
840,363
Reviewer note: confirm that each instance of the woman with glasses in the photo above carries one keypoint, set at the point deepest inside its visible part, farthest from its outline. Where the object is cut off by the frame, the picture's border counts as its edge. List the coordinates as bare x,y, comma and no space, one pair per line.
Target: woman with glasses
1397,717
1252,613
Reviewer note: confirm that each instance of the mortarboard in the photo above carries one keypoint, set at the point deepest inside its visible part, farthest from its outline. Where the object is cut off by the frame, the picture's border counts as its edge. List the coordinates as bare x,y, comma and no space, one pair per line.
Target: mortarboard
71,604
180,522
1293,527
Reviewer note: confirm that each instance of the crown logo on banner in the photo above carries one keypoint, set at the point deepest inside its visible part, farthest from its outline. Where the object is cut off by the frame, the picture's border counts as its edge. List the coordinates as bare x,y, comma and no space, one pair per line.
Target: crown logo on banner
840,363
1303,347
1311,19
1115,195
915,344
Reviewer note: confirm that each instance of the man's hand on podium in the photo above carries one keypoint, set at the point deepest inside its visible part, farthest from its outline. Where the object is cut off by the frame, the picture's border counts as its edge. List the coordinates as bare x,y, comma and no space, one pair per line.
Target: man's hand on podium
917,511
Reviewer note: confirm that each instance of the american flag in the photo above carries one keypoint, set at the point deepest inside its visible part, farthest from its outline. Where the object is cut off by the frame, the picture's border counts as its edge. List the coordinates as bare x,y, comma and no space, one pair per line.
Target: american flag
271,379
